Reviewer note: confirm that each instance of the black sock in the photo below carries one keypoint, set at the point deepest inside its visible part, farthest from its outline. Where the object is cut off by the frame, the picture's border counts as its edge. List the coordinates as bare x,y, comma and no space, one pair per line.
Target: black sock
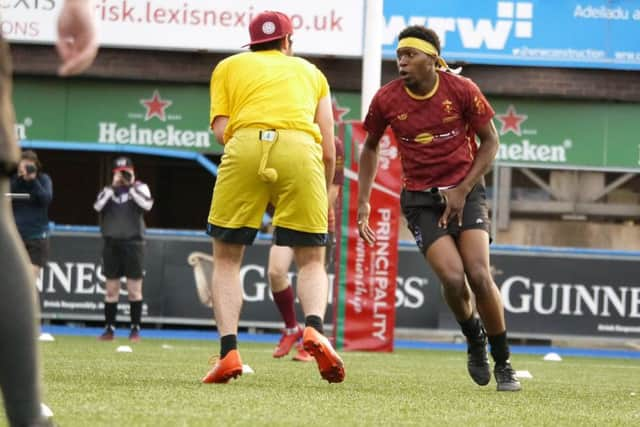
110,310
135,307
499,348
471,327
228,343
315,322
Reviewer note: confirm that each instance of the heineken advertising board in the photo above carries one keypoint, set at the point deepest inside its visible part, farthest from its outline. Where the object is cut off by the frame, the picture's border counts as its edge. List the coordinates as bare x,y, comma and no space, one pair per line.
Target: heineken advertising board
568,135
142,114
533,133
165,116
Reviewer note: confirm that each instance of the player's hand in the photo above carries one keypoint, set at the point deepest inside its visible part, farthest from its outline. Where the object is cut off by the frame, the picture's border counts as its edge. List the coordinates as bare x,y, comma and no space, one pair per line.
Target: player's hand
366,233
77,42
454,205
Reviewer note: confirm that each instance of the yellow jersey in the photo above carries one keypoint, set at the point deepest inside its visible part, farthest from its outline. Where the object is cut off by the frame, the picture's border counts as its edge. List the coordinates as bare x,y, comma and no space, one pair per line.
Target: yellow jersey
267,90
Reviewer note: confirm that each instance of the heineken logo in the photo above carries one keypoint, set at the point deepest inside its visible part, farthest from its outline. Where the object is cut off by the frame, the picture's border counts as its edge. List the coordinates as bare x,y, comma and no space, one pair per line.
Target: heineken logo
526,151
155,106
511,121
147,127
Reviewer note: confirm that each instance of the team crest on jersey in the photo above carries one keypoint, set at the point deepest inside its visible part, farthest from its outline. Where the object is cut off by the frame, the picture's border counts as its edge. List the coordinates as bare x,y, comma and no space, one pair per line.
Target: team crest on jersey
479,105
402,116
447,106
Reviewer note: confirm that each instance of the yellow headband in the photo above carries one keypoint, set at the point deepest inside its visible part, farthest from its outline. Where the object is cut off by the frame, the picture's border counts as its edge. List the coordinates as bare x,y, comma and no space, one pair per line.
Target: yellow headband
423,46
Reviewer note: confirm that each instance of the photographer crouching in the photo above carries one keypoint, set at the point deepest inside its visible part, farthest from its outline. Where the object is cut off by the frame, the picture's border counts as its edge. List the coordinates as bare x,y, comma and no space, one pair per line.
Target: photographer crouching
122,206
31,211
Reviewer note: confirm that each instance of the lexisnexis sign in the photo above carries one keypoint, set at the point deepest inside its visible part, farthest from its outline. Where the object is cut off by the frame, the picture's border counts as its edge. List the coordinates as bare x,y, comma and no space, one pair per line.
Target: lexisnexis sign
328,27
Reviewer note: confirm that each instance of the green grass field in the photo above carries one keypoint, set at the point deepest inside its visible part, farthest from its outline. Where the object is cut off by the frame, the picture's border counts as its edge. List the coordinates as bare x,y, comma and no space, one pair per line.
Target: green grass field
89,384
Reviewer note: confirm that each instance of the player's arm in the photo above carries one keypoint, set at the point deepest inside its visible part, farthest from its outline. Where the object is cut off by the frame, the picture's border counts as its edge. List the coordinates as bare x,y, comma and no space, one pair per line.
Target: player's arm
334,191
489,142
487,150
367,167
324,119
218,126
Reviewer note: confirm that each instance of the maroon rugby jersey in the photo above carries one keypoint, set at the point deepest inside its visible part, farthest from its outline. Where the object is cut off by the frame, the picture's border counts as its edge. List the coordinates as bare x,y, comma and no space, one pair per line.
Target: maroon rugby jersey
436,135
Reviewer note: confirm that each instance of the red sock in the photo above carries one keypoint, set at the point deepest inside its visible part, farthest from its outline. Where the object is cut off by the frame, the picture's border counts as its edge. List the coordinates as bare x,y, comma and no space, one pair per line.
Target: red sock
285,302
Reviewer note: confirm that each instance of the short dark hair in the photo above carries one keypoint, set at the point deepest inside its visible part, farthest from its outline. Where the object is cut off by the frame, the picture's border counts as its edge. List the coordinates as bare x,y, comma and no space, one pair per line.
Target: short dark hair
270,45
32,156
423,33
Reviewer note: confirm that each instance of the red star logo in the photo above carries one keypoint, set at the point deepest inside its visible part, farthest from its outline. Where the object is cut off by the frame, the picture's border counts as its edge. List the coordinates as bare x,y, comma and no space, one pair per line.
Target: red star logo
338,111
155,106
511,121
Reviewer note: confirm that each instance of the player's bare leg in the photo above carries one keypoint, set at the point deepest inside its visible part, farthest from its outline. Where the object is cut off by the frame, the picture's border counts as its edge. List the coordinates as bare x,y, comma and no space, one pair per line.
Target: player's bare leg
226,293
313,289
474,248
446,262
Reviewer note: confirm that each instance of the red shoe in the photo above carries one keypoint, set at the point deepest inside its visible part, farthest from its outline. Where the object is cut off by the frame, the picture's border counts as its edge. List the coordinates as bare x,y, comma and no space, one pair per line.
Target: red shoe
224,369
302,355
134,335
107,335
330,364
286,342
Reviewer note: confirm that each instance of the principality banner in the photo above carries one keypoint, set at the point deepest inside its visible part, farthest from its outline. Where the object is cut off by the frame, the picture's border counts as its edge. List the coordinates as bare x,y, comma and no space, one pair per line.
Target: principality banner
365,292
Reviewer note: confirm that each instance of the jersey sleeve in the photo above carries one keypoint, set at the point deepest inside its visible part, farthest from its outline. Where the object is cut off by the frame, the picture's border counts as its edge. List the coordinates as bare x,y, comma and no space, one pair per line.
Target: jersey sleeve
218,92
375,122
477,110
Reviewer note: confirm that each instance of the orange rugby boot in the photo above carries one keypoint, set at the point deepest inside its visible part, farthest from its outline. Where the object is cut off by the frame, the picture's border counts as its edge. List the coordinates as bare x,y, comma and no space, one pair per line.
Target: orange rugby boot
329,363
302,355
287,340
224,369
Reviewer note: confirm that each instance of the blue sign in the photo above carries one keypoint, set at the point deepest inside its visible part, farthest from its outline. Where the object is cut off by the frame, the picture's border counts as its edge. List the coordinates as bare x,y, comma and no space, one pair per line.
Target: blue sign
543,33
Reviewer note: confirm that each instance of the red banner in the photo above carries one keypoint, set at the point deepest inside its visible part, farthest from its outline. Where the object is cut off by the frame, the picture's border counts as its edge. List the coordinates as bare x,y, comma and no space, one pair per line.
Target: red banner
365,285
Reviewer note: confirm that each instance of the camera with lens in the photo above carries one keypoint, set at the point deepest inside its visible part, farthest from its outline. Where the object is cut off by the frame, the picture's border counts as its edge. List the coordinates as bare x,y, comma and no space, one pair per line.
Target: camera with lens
30,169
127,176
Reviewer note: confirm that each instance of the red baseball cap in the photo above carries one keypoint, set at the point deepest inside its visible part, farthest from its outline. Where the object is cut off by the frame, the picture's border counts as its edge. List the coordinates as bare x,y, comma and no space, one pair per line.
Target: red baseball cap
122,163
268,26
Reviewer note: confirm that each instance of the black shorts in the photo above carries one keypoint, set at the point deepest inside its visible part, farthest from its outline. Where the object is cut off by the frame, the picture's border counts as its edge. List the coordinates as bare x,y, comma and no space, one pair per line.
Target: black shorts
281,236
38,250
123,258
423,210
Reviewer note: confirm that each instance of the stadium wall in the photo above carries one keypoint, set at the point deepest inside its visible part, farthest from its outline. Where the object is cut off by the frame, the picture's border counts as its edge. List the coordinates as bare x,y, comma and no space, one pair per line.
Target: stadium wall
343,74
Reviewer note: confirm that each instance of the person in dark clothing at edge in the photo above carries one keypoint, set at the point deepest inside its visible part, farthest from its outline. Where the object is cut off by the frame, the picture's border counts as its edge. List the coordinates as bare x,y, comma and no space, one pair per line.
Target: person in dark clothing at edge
32,213
20,370
122,206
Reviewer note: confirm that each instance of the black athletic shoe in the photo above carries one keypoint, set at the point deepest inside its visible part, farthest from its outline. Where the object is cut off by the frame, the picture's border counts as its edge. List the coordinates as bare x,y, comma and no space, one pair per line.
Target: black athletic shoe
506,377
108,334
478,360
